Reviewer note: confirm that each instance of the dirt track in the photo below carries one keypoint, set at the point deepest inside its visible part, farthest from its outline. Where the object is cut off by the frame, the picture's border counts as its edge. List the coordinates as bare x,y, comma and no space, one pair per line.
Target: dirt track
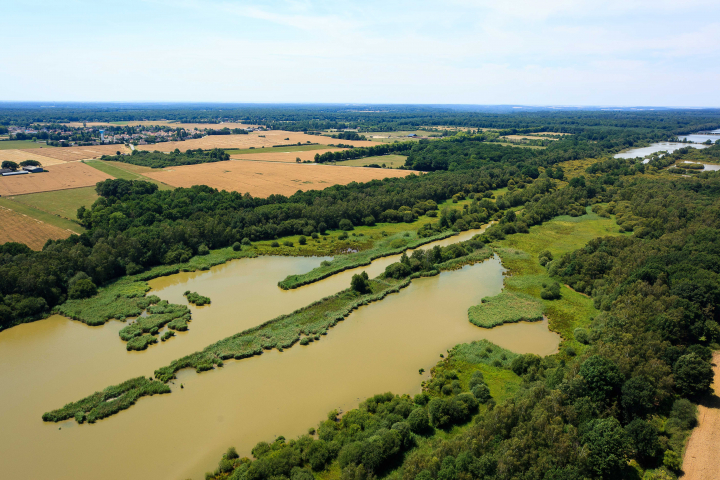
702,456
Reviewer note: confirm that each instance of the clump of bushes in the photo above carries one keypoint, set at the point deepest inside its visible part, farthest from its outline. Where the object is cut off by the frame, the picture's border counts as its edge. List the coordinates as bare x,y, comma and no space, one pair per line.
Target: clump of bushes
196,299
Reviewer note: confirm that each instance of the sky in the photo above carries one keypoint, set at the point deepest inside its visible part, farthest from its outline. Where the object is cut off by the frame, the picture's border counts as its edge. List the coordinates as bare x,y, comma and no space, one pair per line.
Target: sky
550,52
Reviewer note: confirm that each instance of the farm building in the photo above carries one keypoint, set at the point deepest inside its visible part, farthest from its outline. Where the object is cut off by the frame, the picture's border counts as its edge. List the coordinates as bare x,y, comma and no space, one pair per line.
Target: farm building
5,170
19,172
32,169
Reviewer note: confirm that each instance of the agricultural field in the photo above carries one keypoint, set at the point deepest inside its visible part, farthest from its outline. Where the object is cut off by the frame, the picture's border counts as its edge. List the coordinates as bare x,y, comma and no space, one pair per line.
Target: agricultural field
261,179
63,203
292,148
254,139
70,154
126,171
21,144
17,227
390,161
291,156
18,156
57,177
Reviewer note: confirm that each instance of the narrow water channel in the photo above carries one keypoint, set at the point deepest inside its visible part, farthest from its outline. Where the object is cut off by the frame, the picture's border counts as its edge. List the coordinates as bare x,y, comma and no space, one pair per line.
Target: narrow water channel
379,347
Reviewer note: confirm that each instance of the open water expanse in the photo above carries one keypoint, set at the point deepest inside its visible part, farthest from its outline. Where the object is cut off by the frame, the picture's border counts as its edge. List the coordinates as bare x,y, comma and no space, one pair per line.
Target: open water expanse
379,347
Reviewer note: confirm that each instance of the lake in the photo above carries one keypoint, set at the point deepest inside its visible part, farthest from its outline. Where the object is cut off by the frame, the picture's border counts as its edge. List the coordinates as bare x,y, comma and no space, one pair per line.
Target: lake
377,348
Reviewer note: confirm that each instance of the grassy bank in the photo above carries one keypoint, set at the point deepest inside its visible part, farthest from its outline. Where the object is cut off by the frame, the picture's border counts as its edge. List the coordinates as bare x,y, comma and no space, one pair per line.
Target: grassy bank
386,246
561,235
507,307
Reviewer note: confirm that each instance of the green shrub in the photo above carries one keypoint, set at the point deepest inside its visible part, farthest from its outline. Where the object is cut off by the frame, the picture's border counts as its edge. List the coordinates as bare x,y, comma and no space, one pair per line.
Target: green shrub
203,250
196,299
274,244
83,288
302,240
237,246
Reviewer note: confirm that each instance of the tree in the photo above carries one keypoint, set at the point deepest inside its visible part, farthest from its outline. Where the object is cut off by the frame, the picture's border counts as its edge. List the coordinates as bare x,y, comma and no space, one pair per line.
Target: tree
644,439
609,448
551,292
602,378
30,163
346,224
84,288
638,394
693,375
418,420
360,282
10,165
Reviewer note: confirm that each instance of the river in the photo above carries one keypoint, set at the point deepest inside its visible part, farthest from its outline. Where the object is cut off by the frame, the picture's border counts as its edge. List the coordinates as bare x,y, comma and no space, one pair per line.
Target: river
656,147
378,348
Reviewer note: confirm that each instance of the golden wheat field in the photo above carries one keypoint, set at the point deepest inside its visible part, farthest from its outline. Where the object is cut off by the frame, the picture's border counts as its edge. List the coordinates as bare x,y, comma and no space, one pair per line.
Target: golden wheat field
18,156
57,177
261,179
254,139
71,154
16,227
291,157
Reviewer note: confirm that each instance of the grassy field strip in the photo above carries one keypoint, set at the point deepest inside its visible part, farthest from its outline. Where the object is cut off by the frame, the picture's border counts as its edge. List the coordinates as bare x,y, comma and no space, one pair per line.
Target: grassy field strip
21,145
390,161
122,173
42,216
63,203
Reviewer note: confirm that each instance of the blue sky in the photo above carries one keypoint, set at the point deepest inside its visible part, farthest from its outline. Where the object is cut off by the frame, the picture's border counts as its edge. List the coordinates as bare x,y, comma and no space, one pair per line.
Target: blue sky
554,52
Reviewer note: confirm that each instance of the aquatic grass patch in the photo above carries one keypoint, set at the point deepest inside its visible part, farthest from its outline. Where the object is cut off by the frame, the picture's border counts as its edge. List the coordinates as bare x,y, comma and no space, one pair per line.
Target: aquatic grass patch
119,300
391,245
196,299
108,402
161,314
507,307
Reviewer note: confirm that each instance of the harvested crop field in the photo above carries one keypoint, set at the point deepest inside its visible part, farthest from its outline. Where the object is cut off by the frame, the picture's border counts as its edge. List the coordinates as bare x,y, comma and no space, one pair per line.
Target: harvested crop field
390,161
254,139
57,177
16,227
71,154
261,179
18,156
308,155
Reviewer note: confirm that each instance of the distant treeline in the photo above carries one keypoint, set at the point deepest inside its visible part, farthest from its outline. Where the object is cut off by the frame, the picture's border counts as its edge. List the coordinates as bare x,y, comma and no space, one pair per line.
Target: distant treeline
173,159
360,152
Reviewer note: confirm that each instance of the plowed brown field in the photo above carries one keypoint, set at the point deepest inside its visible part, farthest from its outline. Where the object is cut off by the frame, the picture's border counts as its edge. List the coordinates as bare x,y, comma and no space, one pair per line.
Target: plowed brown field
275,137
283,156
71,154
16,227
261,179
57,177
18,156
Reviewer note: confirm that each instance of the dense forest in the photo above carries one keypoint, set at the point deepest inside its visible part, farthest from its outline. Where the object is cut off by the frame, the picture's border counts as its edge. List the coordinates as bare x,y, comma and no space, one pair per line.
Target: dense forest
173,159
376,117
